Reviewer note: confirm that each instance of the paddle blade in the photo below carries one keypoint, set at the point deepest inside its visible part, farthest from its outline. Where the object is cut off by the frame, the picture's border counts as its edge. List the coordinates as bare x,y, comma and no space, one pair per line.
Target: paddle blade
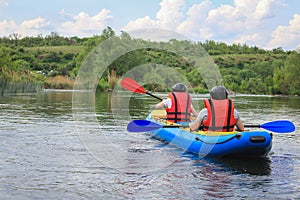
132,85
280,126
142,126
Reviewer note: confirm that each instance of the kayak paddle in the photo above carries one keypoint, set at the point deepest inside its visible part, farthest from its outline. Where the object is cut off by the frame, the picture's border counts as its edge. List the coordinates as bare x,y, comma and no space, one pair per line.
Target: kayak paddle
140,125
133,86
280,126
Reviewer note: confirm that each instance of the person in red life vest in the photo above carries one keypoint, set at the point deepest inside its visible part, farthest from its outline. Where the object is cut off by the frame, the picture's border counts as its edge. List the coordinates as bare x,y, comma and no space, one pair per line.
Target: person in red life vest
178,105
219,113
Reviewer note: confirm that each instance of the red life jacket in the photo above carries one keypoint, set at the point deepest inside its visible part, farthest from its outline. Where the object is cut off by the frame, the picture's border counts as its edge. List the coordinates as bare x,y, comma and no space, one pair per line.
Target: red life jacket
180,110
220,115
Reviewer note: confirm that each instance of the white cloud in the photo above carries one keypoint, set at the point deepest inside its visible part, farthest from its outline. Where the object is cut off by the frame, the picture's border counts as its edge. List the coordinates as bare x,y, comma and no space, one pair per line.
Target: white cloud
85,25
232,21
266,9
33,27
170,13
34,24
287,37
145,22
169,16
3,3
7,27
223,21
195,16
26,28
79,25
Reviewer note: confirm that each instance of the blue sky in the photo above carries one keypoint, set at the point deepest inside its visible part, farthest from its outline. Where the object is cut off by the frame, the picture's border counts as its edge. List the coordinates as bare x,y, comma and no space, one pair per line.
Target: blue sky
264,23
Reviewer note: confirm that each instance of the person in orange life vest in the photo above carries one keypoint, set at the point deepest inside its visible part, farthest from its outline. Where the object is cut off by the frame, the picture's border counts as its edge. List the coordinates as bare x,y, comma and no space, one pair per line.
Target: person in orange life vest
178,105
219,113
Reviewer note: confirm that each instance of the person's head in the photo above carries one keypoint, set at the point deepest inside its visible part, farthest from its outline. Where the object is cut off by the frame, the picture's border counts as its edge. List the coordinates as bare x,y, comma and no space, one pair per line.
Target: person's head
218,93
179,87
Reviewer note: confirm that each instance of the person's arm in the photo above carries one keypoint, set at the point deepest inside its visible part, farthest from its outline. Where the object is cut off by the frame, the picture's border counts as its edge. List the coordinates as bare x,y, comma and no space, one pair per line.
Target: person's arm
166,103
160,105
196,124
239,124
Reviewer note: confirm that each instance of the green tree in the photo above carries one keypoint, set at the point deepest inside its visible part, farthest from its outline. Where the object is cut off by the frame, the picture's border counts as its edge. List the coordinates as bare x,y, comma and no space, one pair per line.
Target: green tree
5,59
292,73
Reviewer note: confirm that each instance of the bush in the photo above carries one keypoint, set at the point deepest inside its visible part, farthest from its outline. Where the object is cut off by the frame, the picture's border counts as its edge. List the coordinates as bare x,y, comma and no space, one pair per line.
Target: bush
59,82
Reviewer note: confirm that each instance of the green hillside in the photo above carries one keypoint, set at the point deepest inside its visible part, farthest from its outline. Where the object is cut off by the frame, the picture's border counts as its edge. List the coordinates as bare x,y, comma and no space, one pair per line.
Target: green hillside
31,63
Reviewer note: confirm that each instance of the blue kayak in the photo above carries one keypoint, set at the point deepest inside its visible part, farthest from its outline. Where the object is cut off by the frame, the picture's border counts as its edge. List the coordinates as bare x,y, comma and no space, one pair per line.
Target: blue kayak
207,143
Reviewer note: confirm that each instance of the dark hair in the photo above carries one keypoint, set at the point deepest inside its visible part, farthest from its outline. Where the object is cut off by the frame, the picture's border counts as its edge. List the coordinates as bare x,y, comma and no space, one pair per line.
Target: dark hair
179,87
219,93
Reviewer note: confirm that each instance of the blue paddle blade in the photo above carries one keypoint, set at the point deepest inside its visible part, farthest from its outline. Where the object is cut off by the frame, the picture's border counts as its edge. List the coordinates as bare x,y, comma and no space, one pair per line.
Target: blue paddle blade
142,126
280,126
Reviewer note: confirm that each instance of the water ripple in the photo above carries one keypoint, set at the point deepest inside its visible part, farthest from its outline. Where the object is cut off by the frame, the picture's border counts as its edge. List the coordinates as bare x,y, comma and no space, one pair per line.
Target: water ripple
42,156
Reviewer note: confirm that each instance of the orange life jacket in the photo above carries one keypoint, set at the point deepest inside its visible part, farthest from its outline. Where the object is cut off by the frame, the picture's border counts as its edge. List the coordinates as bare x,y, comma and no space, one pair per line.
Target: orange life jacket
220,115
180,110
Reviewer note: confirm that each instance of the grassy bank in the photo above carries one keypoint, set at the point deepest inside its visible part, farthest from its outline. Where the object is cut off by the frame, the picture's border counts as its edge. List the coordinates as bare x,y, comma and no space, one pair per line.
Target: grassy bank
58,82
19,82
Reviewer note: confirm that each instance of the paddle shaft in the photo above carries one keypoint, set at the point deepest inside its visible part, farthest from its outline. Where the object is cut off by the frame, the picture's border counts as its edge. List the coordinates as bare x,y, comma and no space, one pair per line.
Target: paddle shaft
152,95
252,126
174,126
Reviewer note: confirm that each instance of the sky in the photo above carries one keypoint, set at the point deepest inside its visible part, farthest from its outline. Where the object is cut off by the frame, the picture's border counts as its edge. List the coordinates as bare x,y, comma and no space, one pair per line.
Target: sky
266,24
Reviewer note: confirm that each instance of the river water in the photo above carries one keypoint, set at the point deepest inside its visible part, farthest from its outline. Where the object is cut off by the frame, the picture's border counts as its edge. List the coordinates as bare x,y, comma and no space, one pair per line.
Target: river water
65,145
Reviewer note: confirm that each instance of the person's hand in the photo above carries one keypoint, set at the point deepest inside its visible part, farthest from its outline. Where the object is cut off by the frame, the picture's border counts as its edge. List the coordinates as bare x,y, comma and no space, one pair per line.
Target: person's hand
153,106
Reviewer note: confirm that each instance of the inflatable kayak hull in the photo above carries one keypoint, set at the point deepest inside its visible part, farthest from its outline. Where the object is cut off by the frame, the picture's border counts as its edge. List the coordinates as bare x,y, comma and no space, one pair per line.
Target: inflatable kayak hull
248,143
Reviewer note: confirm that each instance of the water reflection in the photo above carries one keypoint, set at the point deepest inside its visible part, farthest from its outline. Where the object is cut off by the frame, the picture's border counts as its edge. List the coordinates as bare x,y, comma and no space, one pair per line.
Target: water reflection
236,165
231,177
249,165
